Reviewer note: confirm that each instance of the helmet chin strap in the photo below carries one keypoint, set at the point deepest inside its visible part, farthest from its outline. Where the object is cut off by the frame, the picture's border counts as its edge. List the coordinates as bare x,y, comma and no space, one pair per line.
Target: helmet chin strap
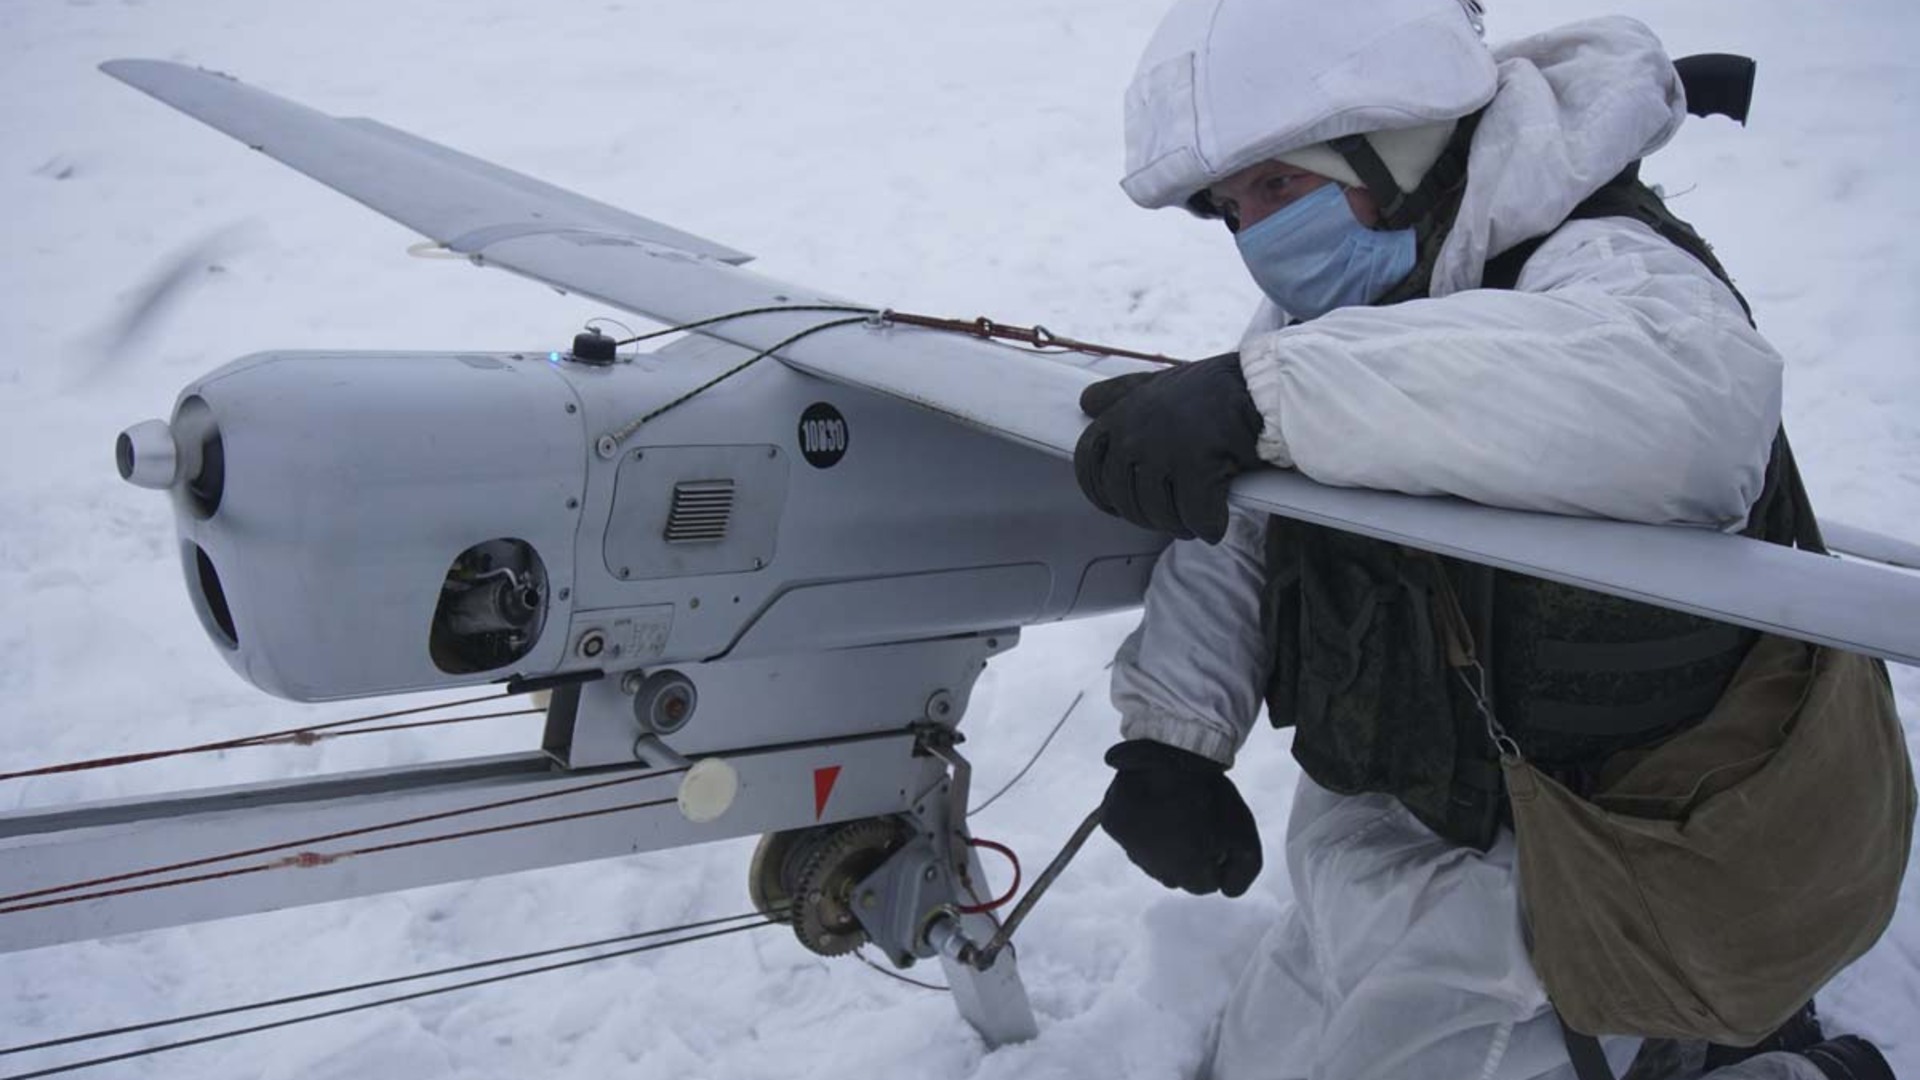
1402,209
1373,172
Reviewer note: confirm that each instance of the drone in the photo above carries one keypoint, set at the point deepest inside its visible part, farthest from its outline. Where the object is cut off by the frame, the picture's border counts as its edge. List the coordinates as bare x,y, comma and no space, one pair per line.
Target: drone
749,577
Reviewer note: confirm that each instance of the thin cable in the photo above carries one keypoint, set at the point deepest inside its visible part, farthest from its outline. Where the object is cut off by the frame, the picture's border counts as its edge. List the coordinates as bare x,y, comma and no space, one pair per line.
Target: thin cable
609,319
743,313
309,736
1038,338
231,744
363,1006
889,973
1044,743
307,860
304,841
375,984
620,435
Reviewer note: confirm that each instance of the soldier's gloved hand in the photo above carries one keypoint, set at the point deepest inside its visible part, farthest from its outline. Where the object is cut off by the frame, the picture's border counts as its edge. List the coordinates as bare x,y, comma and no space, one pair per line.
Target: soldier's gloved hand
1164,445
1180,819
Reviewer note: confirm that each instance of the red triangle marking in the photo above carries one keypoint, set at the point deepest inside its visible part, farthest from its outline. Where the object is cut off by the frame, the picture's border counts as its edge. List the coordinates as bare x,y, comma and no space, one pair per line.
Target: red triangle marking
823,781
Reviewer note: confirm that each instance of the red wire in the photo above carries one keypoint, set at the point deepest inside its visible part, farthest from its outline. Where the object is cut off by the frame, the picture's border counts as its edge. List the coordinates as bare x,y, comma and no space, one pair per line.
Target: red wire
1012,890
10,904
307,860
289,734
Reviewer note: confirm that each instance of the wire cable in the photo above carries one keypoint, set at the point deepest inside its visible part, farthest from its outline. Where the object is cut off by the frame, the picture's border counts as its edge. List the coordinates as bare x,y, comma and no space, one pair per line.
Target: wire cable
891,974
308,736
745,312
620,435
396,999
1038,338
1044,743
262,739
373,984
313,859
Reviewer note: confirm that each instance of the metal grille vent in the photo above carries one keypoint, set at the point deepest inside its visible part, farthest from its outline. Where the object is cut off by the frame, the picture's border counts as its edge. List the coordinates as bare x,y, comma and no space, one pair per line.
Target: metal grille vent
701,511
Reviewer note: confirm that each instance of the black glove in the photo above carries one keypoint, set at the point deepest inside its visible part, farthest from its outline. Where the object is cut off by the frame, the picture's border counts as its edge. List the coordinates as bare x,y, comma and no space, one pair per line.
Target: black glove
1164,445
1180,819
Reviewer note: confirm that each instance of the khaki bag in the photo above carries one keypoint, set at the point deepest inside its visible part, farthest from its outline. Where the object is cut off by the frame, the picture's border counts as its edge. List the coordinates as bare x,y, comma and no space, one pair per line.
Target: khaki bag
1717,879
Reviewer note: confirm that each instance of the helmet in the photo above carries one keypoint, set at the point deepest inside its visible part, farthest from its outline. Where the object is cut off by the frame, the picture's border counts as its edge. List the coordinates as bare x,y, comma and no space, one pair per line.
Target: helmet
1367,92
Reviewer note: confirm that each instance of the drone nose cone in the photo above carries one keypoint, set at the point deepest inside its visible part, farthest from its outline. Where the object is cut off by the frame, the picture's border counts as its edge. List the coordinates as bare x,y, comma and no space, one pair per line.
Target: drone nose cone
147,455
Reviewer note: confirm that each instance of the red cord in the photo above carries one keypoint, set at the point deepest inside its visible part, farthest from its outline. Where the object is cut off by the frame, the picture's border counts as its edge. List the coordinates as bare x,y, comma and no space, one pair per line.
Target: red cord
301,735
9,904
1012,891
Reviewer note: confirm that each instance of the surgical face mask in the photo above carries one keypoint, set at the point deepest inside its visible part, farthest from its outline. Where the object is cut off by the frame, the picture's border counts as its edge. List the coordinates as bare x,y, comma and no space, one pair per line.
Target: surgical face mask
1314,255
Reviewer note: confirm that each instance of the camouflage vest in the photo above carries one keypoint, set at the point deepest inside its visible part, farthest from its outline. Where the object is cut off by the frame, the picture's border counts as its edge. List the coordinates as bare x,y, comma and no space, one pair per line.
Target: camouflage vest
1577,675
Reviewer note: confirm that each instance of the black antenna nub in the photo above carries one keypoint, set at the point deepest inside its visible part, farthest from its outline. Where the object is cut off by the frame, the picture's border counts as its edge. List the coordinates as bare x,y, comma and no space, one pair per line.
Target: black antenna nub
590,346
1717,84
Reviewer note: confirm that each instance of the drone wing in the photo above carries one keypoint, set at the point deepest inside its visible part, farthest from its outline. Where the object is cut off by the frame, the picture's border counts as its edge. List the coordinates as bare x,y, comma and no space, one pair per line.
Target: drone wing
501,218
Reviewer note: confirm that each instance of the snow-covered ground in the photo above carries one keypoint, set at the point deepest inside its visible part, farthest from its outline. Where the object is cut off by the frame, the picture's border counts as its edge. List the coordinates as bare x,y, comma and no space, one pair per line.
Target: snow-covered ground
959,158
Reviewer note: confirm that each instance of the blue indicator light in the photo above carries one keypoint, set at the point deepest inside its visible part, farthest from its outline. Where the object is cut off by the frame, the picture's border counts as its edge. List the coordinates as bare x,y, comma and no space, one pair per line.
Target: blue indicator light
553,358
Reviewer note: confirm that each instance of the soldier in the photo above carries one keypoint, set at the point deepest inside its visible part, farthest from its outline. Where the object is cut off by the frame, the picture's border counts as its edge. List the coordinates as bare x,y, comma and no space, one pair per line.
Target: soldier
1434,324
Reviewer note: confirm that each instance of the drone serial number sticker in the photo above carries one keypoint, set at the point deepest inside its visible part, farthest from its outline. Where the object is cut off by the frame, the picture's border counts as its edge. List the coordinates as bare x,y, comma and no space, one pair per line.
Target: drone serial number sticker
823,435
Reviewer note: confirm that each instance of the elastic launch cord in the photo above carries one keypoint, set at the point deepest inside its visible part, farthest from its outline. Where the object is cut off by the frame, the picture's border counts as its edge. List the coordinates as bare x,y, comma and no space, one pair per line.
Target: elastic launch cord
1036,337
303,736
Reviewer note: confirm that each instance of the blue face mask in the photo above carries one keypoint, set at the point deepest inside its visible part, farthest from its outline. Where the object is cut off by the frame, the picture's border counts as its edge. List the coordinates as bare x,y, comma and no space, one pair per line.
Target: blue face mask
1314,255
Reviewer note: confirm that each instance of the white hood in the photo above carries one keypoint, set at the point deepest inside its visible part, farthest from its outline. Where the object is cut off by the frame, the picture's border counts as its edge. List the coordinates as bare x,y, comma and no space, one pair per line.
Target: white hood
1575,106
1226,83
1618,378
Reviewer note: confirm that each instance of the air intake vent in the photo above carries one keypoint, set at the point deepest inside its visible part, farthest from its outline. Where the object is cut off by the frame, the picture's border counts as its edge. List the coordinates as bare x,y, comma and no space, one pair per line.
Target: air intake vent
701,510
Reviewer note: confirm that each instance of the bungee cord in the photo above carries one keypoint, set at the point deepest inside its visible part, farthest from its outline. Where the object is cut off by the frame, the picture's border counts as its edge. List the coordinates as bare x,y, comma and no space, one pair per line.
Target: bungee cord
1037,338
304,859
305,735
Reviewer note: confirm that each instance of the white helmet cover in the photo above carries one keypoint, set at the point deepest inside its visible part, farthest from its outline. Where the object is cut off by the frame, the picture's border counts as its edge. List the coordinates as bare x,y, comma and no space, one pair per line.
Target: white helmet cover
1227,83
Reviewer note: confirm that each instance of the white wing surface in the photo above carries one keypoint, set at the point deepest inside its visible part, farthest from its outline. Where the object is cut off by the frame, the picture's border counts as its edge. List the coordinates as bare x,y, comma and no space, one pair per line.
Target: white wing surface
501,218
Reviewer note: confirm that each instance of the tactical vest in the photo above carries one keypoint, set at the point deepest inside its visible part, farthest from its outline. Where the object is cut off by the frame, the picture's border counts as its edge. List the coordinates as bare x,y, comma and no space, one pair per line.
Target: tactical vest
1576,675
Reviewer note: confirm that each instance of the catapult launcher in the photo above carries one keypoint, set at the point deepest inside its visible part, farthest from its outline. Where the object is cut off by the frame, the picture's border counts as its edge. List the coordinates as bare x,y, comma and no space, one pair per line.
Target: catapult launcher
754,574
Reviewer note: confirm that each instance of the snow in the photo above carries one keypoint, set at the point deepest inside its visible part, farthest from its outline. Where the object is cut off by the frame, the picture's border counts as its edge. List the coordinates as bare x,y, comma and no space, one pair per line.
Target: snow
950,158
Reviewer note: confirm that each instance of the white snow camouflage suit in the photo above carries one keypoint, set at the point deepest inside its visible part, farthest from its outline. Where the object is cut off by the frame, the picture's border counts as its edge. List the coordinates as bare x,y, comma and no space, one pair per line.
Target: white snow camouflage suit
1618,379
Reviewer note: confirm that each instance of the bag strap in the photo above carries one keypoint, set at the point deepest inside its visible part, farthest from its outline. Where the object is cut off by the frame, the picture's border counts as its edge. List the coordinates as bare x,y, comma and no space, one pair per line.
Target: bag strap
1589,1061
1806,527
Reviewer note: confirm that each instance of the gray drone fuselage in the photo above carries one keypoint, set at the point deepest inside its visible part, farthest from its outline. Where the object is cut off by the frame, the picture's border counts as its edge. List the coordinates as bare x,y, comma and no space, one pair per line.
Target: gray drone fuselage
771,514
794,581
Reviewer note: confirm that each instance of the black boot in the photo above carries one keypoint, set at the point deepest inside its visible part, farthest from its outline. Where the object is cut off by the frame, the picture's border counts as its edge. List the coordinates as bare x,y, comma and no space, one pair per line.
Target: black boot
1849,1057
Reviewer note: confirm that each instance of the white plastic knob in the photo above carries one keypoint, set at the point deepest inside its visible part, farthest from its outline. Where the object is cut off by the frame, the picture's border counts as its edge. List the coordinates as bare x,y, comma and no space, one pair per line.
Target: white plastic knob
708,790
